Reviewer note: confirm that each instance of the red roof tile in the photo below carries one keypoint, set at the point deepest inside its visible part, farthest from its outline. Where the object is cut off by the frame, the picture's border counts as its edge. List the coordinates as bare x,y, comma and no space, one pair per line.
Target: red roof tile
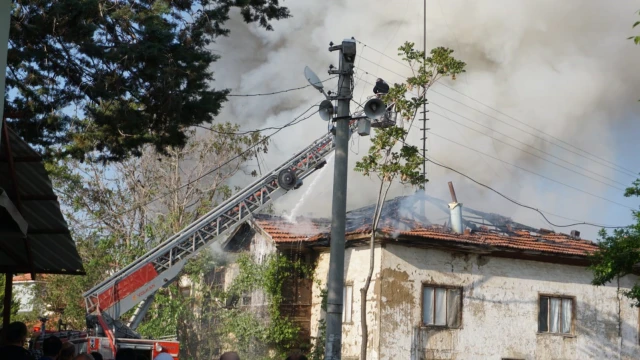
308,230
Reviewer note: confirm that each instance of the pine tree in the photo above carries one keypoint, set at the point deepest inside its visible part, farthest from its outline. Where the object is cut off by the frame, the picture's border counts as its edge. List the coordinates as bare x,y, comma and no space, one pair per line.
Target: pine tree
98,79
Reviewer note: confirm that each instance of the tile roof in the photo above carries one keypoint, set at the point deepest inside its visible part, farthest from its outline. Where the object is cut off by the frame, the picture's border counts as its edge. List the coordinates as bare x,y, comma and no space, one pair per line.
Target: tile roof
400,226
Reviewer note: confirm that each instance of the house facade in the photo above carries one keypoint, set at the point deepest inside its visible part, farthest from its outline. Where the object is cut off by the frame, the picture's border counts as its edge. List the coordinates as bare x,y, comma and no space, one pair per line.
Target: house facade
492,292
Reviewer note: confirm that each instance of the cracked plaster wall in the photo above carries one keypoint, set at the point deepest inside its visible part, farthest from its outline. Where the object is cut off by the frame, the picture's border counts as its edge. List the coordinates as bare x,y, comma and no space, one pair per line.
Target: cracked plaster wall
499,308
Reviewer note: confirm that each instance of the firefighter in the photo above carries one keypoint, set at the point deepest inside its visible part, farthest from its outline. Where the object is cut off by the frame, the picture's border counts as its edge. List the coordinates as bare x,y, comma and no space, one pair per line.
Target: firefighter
381,88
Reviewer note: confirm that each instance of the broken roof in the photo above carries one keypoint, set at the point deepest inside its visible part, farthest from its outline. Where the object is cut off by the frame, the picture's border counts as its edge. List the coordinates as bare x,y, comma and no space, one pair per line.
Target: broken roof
400,224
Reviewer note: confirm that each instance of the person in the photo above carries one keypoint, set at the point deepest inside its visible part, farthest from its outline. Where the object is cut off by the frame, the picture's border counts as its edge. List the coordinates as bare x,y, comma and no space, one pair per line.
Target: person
230,355
68,352
15,336
381,87
51,347
96,355
126,354
83,356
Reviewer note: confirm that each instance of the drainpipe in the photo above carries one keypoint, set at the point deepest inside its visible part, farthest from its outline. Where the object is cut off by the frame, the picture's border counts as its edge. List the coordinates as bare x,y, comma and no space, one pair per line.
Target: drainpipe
456,211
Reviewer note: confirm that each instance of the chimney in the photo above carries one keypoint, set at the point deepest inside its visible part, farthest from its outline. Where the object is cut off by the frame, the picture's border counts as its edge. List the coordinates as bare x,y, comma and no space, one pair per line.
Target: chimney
575,234
456,211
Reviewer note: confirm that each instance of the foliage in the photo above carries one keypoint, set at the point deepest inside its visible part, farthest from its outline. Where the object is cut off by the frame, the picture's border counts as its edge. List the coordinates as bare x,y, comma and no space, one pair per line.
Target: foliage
118,212
246,326
384,158
15,305
100,79
619,252
636,39
317,351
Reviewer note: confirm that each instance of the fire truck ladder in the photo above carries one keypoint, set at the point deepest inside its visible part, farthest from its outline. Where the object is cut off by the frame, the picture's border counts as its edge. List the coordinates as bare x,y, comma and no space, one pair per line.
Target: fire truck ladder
137,283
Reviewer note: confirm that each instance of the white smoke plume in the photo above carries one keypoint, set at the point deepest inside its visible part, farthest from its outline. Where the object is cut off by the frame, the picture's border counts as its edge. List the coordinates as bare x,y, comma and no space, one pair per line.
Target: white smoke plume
564,67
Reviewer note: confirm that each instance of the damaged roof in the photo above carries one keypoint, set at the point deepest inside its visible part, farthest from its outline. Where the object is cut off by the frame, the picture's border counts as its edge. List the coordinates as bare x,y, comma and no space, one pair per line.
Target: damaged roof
400,224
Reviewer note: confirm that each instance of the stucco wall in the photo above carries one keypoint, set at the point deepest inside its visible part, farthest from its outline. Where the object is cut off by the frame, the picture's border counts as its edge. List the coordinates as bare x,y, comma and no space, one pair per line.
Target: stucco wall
356,268
499,308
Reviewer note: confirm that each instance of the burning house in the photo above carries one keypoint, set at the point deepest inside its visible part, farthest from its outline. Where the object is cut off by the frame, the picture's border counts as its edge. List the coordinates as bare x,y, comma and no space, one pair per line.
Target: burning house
489,288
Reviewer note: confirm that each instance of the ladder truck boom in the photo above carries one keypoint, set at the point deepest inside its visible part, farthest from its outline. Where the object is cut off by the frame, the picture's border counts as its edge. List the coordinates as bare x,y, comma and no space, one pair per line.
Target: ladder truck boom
139,281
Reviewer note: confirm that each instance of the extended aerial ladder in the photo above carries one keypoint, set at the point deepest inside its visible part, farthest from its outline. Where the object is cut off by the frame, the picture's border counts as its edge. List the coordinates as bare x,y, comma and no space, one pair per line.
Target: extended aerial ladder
136,284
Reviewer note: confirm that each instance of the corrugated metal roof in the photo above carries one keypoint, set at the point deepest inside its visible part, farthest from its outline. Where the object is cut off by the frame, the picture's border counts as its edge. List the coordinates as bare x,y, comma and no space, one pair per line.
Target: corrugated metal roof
52,248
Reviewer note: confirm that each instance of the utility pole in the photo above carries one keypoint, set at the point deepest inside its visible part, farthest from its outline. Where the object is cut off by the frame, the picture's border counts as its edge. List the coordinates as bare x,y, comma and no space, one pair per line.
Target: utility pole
424,112
333,345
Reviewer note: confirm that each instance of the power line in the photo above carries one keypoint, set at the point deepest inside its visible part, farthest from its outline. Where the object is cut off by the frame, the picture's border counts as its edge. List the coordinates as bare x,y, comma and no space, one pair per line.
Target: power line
534,135
259,130
532,172
529,126
519,203
249,149
621,170
500,112
525,144
277,92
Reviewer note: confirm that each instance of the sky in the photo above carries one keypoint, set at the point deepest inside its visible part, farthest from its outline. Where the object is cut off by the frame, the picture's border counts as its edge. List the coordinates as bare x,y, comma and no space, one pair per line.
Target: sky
547,82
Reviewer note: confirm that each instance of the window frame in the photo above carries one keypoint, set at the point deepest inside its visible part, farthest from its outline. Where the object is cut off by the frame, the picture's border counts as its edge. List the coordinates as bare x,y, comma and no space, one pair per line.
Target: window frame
344,297
561,297
447,288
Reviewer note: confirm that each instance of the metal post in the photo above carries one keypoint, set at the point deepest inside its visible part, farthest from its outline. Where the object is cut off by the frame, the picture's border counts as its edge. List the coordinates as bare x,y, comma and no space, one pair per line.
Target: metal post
333,346
8,286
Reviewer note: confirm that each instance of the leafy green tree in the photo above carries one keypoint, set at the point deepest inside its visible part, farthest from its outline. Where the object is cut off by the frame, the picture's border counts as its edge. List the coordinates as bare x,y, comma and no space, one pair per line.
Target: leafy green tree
118,212
618,252
99,79
15,305
389,157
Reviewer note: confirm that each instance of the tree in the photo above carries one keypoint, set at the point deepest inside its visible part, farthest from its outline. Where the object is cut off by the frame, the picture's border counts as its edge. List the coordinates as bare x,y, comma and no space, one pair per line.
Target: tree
15,305
618,252
636,39
119,212
390,158
98,80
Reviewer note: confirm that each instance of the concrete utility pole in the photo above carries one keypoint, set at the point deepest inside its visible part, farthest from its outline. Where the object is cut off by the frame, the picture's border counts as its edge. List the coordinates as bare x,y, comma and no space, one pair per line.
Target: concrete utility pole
333,345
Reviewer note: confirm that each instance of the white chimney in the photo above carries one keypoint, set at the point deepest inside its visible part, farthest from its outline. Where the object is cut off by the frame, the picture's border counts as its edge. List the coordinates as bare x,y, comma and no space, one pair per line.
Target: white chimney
456,217
455,209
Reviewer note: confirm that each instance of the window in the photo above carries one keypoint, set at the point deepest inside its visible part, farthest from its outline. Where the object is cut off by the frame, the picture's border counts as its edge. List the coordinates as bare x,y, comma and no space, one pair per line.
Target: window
185,290
556,315
441,306
347,303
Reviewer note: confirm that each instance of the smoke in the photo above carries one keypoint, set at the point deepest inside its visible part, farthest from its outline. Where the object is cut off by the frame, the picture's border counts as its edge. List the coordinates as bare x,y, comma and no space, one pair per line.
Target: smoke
565,68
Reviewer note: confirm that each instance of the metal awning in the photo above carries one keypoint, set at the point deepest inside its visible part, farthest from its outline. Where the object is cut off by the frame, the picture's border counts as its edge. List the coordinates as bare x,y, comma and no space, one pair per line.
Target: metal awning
47,246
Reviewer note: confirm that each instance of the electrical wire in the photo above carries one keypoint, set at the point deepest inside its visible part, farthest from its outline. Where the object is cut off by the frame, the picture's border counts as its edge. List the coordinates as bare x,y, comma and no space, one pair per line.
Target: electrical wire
502,113
621,170
532,172
257,130
527,152
521,142
278,92
519,203
297,120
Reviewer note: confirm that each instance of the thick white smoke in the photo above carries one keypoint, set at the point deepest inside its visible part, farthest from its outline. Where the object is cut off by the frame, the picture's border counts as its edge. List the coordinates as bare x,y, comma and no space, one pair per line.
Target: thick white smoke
564,67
